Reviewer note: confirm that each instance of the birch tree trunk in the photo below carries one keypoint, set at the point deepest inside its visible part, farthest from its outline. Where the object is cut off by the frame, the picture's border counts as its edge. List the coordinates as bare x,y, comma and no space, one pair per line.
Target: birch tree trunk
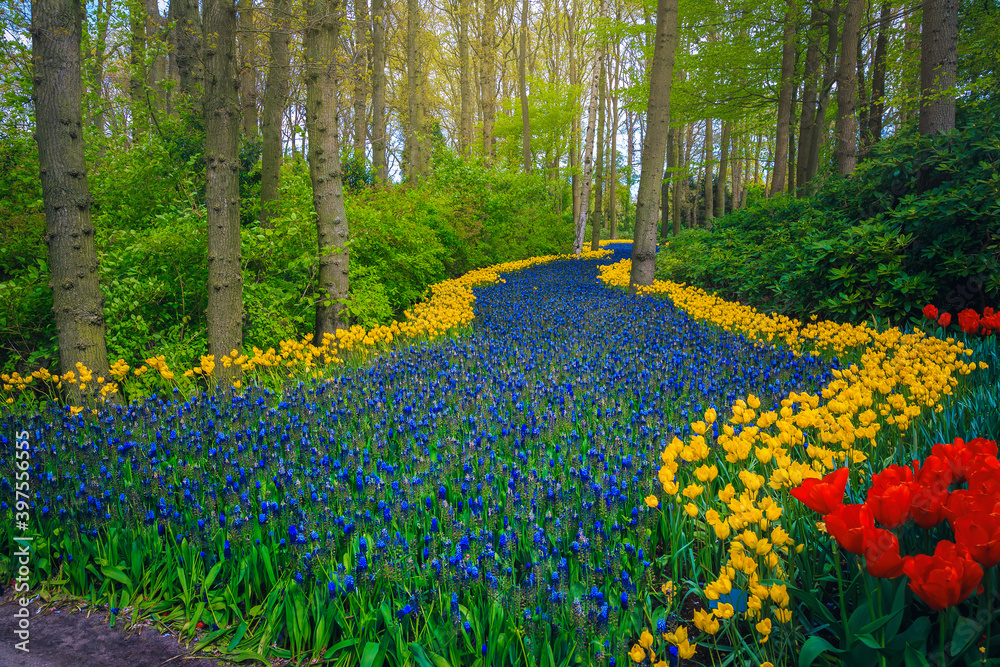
588,159
654,146
597,219
320,44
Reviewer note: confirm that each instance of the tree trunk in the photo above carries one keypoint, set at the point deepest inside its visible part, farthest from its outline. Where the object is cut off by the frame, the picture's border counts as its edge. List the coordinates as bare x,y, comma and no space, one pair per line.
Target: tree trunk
379,165
465,83
414,124
785,100
720,185
588,151
678,159
361,24
186,56
790,185
819,134
709,189
612,156
488,81
221,112
654,146
911,54
248,82
847,125
137,69
156,29
862,95
810,80
275,98
938,64
97,70
877,111
522,60
77,303
574,147
320,44
597,219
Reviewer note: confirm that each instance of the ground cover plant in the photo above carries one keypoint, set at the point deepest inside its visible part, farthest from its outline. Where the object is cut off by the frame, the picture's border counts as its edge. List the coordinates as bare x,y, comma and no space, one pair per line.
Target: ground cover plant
578,470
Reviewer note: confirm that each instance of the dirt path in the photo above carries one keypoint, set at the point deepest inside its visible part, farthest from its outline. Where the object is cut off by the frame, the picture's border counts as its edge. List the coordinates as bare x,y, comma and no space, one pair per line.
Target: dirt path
67,638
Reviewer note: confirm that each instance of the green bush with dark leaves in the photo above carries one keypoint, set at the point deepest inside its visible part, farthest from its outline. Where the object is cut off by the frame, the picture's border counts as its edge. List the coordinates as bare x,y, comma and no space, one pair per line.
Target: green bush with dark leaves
917,222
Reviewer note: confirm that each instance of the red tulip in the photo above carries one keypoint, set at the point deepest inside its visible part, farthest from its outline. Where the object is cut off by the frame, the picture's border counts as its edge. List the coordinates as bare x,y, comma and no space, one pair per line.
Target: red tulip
979,532
889,496
882,554
848,524
944,579
968,321
927,505
945,319
983,475
960,454
930,312
962,502
825,495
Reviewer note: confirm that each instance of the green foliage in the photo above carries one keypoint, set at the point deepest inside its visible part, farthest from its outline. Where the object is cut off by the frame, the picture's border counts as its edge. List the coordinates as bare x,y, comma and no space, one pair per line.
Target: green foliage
918,222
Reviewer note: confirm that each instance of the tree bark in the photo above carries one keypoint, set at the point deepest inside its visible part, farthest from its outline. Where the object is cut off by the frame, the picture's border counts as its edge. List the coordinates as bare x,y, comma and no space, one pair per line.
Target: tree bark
522,75
847,125
275,98
938,66
97,69
810,97
709,189
137,70
488,81
361,24
785,100
379,164
677,167
186,57
654,146
414,124
221,113
465,82
819,134
597,219
248,82
77,302
588,151
877,111
720,184
156,29
911,54
574,147
320,44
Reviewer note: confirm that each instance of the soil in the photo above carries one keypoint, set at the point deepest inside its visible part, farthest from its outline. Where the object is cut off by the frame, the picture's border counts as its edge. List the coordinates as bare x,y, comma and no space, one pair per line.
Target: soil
70,636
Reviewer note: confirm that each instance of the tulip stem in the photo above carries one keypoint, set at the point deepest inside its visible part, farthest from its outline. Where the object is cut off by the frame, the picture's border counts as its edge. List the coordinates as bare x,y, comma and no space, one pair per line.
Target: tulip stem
840,591
941,614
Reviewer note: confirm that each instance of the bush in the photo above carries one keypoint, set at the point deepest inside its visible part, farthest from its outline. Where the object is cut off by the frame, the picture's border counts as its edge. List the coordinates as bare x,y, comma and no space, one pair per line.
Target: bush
918,222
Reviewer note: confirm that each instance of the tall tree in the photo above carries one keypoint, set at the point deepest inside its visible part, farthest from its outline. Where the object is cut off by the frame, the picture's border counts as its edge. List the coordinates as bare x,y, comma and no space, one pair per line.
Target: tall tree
847,85
361,24
784,100
709,158
720,183
588,151
522,80
938,66
414,126
873,133
488,76
99,51
465,79
810,95
77,303
597,219
379,165
320,43
247,42
574,139
185,49
275,97
654,146
221,114
819,128
156,74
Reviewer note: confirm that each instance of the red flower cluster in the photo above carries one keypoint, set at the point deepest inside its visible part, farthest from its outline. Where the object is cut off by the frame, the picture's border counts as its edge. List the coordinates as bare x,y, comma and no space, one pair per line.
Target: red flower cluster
969,321
924,493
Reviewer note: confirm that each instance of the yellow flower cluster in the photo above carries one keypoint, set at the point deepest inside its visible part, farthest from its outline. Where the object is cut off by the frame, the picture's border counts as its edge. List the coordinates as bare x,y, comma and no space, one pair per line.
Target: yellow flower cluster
895,377
449,307
605,242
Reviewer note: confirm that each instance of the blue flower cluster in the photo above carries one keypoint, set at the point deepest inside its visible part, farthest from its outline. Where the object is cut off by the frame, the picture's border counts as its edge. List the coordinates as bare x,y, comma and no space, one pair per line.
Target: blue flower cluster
510,464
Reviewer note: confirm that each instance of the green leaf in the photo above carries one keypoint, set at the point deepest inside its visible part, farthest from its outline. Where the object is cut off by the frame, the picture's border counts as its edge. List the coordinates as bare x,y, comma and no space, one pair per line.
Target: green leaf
240,631
339,647
965,632
113,572
913,658
814,647
371,653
